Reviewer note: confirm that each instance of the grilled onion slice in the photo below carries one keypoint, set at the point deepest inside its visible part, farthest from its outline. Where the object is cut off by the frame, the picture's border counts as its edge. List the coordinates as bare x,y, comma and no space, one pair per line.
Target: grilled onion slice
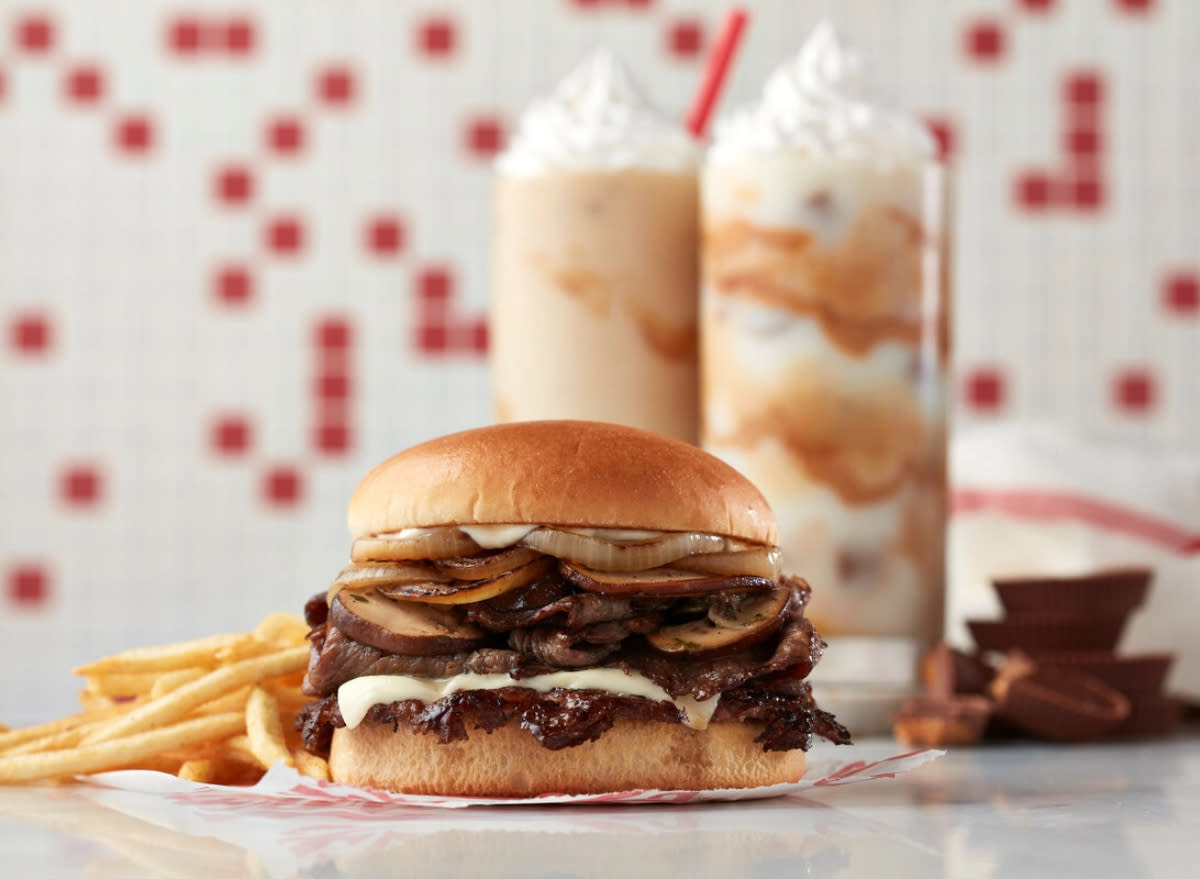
658,582
451,591
414,543
606,555
483,566
762,561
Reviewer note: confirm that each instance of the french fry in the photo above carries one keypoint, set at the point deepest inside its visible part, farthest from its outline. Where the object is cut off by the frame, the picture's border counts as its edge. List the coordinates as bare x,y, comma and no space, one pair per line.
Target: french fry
121,683
113,754
310,764
198,770
214,710
173,680
282,628
176,705
238,748
68,738
167,657
234,701
264,730
3,728
246,649
29,733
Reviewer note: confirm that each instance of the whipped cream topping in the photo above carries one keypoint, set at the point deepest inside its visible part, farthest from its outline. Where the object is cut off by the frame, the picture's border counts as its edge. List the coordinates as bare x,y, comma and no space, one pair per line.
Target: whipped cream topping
825,101
597,118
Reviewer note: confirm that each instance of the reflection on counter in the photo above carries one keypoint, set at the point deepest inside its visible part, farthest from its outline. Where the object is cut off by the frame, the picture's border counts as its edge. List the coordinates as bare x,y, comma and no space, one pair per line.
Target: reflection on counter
1002,811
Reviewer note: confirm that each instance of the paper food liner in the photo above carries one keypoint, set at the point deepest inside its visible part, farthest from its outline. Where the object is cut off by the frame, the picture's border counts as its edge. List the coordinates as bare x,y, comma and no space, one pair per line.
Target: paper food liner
284,786
289,825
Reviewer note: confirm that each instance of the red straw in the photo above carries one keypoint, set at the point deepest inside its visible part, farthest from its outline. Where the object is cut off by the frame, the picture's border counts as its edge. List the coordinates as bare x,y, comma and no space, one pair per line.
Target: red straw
714,73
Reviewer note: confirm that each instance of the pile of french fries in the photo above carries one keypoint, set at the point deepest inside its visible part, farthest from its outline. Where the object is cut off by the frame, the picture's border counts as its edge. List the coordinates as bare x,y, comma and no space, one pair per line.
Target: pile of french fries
216,710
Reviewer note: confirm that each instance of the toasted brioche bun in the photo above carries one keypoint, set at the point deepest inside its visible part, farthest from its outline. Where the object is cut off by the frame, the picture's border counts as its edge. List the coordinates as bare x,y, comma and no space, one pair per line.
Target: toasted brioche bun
566,473
509,762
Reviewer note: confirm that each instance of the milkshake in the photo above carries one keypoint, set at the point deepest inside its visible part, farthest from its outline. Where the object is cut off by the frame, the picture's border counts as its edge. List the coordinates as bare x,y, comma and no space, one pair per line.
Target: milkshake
595,260
825,342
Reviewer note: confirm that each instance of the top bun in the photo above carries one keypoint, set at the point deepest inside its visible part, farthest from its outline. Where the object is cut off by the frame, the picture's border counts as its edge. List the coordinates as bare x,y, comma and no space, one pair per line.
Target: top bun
564,473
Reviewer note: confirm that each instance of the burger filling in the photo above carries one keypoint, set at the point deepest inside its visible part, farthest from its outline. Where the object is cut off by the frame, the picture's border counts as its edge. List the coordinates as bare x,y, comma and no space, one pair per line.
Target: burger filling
563,631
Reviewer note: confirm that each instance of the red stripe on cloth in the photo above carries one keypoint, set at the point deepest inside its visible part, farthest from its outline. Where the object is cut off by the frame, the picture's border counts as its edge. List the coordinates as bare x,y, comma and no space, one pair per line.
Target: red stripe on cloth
1062,505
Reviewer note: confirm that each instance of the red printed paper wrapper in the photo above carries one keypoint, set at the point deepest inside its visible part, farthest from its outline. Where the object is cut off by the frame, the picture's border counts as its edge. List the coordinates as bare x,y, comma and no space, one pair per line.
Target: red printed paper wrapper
285,786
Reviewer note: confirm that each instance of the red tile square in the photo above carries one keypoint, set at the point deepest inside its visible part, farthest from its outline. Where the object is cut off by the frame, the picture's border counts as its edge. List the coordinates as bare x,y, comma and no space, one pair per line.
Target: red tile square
234,185
84,84
134,134
336,86
432,339
333,386
1087,194
186,35
333,334
31,334
1035,191
231,436
385,236
1135,391
685,38
480,337
985,40
985,390
1083,141
332,438
35,34
436,284
285,235
438,37
29,585
240,36
1135,7
485,137
285,135
80,485
1084,88
1181,294
233,286
282,486
944,136
1037,7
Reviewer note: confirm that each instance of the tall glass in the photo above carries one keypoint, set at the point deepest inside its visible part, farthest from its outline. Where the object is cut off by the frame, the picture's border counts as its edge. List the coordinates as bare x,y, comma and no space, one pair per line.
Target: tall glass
594,303
825,351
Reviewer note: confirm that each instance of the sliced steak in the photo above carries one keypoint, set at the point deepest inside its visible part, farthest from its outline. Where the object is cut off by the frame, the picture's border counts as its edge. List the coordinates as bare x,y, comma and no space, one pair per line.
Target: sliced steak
340,659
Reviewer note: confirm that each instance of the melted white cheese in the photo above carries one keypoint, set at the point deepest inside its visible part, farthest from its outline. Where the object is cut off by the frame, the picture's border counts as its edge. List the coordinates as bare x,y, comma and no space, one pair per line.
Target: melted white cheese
496,536
355,697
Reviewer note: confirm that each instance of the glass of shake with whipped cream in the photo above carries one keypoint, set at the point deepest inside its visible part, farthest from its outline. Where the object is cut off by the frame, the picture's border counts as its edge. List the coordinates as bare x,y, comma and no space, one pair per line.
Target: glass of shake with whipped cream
825,344
595,260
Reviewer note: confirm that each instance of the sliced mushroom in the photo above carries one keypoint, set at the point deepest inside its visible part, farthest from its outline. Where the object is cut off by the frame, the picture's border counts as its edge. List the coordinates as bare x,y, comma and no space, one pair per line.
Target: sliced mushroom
403,627
484,566
730,625
658,581
451,591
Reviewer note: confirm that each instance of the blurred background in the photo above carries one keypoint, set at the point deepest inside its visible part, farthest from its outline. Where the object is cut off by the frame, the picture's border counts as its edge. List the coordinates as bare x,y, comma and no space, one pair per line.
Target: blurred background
243,257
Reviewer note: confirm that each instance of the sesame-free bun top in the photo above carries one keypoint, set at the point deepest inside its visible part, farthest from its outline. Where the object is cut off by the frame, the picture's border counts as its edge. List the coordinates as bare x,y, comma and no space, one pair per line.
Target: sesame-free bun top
564,473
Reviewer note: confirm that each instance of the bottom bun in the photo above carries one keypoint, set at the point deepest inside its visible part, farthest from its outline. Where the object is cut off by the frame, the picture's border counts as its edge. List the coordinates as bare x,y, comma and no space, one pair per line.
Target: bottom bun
509,762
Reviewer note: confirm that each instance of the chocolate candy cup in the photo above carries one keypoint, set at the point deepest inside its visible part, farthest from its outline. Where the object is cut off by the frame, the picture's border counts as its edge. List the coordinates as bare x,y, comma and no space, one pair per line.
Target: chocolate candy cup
1150,717
933,723
946,672
1103,594
1041,634
1061,706
1143,674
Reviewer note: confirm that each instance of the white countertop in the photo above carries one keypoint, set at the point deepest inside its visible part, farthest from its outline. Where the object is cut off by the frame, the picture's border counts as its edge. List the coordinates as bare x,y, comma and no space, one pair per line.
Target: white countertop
1017,810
